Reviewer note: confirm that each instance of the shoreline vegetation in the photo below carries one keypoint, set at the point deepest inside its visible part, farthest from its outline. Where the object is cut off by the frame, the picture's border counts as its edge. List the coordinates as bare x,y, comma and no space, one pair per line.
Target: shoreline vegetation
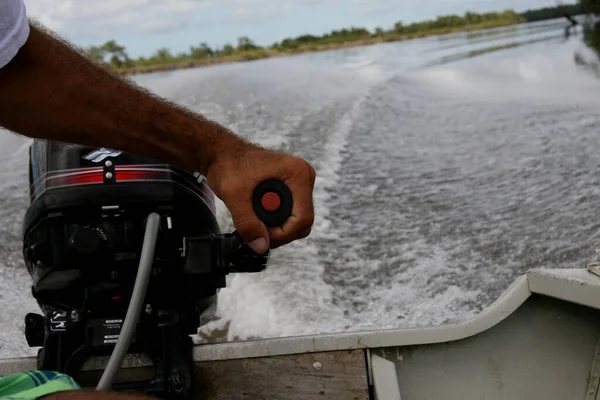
116,57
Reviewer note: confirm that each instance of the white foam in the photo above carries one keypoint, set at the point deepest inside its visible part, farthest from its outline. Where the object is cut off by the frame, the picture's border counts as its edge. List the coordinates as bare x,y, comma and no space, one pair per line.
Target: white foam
291,296
414,297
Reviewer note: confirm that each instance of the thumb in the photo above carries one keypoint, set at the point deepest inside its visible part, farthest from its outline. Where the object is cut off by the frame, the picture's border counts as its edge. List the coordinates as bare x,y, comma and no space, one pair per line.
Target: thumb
250,228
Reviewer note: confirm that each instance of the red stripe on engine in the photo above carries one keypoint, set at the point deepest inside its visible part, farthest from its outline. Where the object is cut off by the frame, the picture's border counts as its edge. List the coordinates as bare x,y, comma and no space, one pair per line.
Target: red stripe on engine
75,179
128,173
123,176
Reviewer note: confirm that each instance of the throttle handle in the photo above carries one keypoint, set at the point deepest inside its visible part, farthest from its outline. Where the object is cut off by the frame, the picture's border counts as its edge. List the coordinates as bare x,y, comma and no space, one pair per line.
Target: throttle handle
272,202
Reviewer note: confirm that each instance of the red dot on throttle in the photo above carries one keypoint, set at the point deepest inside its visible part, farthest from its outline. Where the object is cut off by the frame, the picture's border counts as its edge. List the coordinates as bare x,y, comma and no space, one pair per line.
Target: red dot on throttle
271,201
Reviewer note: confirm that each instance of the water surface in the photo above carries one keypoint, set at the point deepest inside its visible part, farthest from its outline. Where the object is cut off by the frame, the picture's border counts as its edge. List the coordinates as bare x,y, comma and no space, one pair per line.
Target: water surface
445,170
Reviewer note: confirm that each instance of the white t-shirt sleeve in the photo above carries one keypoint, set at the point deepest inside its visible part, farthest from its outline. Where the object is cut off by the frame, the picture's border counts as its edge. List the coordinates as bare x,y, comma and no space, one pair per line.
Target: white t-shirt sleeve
14,29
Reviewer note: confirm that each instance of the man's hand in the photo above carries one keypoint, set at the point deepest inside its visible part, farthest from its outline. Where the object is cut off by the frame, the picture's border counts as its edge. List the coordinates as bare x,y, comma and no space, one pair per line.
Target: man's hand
51,91
235,174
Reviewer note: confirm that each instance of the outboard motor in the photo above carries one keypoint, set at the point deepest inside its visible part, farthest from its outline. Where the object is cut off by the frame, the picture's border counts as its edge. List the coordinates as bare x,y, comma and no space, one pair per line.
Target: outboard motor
82,241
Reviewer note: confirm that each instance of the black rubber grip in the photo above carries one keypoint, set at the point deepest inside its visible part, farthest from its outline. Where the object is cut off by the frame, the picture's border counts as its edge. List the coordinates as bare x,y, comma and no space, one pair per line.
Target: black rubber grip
272,201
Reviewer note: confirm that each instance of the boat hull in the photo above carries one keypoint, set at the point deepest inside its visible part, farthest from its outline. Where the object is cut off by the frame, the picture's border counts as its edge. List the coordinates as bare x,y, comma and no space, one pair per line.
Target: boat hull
538,341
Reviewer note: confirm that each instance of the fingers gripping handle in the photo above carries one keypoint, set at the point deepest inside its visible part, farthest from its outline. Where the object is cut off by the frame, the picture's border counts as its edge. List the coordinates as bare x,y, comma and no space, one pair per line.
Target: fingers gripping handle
272,201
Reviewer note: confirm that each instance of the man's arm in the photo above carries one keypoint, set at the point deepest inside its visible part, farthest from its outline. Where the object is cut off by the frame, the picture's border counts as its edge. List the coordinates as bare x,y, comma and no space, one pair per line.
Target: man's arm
51,91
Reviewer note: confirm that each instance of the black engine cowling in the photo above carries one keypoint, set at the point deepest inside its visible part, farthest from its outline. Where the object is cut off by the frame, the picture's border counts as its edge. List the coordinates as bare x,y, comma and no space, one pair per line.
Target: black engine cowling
86,220
82,239
82,242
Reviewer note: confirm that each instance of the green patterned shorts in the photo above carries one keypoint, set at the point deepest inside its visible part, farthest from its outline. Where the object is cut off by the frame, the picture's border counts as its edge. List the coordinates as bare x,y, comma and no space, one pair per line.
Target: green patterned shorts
32,385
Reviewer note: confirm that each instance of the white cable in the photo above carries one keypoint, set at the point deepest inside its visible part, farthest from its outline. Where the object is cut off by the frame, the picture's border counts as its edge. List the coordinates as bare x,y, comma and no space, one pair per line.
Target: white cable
135,305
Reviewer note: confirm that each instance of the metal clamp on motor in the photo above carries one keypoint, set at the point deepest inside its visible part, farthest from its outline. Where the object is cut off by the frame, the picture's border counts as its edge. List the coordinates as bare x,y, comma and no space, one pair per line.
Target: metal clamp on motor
221,255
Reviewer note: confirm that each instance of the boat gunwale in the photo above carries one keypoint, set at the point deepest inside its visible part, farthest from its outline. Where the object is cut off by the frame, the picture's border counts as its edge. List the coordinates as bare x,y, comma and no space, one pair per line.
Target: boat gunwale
572,285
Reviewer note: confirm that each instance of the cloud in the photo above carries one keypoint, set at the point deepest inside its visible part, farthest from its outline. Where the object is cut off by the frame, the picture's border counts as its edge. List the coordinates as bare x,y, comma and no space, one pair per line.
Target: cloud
96,17
374,6
307,2
431,8
92,18
257,11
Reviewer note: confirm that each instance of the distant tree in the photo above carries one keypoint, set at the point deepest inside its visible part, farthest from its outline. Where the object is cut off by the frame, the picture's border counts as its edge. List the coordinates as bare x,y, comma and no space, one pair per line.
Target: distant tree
117,53
227,49
559,11
448,21
359,32
472,18
399,27
204,46
163,54
590,6
307,39
592,37
245,43
379,31
289,43
201,51
114,60
196,52
96,53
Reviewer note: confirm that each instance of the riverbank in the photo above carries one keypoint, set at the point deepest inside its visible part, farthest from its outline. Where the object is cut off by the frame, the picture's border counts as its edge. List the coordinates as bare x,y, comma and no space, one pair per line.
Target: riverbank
262,53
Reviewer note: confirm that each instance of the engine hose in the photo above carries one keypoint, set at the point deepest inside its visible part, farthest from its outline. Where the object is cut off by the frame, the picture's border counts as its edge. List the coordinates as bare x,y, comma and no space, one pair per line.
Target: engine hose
135,305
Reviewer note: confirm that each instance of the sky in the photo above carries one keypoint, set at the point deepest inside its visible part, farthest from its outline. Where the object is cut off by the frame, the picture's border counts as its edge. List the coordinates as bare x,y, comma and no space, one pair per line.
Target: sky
143,26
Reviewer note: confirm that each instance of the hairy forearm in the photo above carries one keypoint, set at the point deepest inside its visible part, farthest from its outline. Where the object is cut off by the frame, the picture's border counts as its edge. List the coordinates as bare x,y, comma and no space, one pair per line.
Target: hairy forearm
51,91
